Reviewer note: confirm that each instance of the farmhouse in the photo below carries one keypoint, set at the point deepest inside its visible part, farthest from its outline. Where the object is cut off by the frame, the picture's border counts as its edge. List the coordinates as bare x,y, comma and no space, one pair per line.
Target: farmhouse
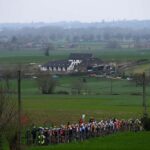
77,62
66,65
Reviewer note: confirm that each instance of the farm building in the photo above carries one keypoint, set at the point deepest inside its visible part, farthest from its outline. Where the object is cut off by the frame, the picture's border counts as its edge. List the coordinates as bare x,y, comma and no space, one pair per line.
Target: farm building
74,60
77,62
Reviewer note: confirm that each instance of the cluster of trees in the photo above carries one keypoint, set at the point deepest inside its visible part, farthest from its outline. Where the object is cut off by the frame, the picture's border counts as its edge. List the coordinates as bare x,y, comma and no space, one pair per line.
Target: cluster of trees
46,34
40,37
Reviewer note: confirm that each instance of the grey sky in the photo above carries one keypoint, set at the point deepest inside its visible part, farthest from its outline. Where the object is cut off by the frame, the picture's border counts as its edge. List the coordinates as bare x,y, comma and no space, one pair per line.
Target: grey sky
73,10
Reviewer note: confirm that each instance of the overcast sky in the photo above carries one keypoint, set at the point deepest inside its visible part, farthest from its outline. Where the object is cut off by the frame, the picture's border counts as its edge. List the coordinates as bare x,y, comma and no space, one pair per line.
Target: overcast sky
73,10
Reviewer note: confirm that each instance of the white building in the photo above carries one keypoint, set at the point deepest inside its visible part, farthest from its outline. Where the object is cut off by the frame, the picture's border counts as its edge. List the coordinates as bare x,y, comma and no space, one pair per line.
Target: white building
66,65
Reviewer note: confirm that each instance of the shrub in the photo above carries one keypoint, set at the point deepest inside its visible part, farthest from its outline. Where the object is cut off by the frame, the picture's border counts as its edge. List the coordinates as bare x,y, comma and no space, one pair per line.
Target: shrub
146,123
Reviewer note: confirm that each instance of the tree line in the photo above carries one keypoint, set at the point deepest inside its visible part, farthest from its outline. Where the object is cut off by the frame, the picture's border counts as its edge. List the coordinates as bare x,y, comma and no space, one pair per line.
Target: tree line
40,37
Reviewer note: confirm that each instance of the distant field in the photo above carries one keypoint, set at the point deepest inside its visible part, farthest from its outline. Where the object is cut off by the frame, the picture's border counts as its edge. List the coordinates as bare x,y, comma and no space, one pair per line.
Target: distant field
101,85
27,56
120,141
95,86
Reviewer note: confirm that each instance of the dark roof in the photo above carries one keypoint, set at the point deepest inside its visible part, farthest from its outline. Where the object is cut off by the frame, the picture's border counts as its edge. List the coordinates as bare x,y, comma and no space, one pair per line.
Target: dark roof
80,56
57,63
91,62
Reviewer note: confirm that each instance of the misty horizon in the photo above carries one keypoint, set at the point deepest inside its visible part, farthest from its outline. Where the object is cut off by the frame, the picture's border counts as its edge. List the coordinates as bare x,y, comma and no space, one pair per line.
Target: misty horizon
86,11
76,21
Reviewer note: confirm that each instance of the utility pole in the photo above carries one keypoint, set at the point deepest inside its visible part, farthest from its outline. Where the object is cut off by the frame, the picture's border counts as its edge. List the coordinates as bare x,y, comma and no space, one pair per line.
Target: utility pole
19,109
144,94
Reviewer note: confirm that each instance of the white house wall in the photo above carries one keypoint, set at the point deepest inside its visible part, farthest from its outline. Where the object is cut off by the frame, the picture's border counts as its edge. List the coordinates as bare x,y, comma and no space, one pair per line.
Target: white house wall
71,67
54,69
59,69
50,69
63,69
43,69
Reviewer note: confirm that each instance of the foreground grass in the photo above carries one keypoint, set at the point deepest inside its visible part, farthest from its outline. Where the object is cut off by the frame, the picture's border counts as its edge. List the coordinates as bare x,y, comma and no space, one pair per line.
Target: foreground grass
120,141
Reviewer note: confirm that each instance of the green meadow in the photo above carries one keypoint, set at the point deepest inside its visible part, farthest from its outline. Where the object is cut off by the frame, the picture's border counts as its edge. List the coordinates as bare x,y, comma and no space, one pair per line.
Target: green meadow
26,56
61,109
125,101
121,141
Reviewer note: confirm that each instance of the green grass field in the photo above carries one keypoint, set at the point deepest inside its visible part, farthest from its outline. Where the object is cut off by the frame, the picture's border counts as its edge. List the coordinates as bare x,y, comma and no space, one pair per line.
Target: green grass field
125,101
37,56
57,109
61,109
96,86
120,141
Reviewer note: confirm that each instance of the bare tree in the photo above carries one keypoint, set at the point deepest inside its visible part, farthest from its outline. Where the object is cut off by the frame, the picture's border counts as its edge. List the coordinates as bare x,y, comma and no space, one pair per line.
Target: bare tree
77,86
138,79
46,83
8,120
47,51
7,75
49,48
